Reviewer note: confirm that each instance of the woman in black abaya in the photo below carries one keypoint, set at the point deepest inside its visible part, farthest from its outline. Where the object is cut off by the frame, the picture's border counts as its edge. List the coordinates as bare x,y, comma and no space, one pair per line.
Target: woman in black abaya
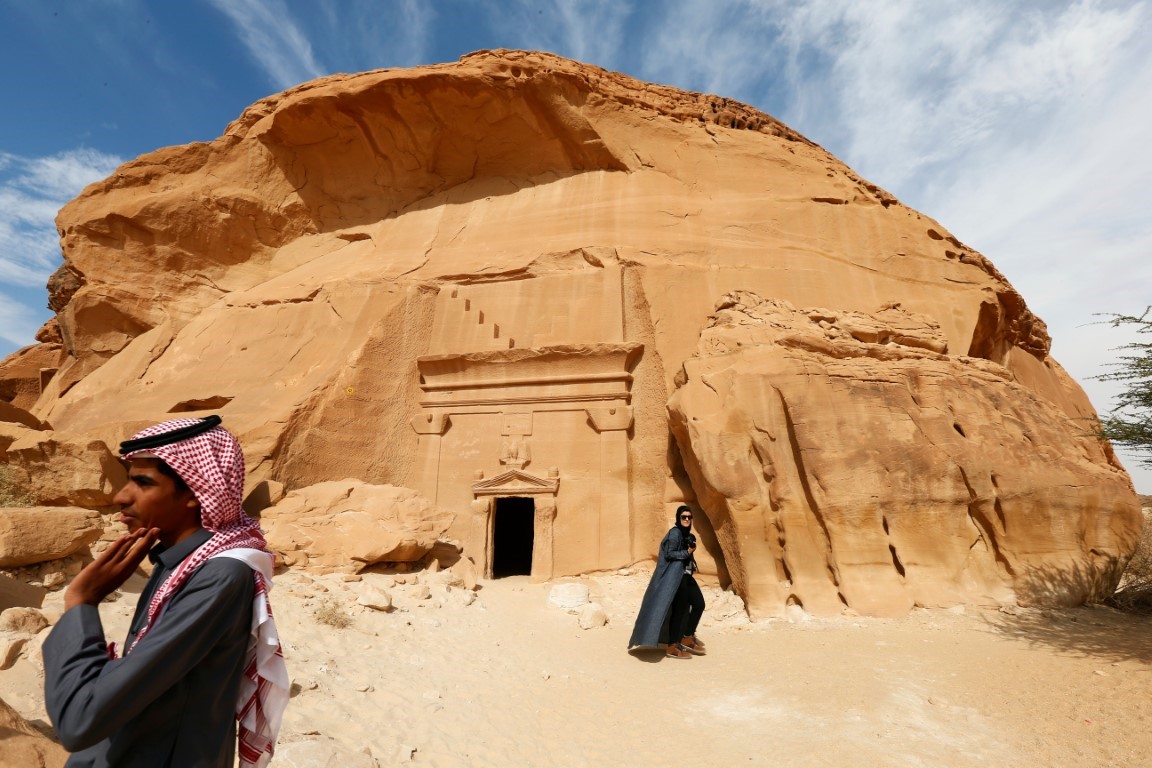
673,603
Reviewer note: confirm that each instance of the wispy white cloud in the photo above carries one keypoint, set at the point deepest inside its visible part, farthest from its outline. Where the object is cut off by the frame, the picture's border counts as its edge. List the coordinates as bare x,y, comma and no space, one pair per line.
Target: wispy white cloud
694,47
18,322
403,39
357,35
271,35
1045,178
591,31
32,190
1021,126
916,85
898,86
62,176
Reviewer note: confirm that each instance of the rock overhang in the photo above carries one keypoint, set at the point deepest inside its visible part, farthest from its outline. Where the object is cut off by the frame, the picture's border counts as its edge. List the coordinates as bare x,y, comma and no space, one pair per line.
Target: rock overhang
299,268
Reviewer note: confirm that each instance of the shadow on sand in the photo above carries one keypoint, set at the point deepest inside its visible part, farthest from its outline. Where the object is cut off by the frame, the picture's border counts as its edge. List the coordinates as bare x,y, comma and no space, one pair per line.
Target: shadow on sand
648,655
1094,630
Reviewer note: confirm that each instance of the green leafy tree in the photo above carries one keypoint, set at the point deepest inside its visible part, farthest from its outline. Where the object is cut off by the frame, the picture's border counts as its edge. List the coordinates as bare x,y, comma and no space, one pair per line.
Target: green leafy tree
1129,425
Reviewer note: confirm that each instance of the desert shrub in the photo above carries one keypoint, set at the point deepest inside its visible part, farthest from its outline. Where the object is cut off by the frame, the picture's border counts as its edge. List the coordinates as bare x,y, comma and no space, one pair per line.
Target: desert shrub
1129,425
1134,592
333,614
11,492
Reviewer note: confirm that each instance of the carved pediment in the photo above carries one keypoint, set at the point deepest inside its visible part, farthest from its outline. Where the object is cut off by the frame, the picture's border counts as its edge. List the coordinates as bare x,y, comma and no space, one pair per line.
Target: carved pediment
515,482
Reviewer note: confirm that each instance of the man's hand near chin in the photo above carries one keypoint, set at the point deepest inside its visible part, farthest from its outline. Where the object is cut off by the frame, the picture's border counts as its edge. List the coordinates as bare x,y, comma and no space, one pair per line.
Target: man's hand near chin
112,568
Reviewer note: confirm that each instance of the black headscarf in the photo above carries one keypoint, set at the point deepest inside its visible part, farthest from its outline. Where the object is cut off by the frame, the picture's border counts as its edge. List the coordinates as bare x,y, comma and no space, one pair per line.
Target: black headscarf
686,534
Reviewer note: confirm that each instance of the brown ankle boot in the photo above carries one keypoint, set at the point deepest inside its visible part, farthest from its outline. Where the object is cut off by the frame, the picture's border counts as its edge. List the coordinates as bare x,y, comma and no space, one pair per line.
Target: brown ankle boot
692,645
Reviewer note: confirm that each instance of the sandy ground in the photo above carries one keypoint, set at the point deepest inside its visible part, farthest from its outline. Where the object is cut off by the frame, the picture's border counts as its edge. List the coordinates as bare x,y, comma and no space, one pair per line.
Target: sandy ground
509,680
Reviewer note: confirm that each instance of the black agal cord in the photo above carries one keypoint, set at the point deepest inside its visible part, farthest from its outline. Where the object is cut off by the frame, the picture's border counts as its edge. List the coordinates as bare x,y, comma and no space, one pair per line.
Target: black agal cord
167,438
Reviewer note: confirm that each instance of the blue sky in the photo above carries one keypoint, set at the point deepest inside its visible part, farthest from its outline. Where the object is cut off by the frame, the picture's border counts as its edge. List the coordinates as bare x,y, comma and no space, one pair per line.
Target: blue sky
1021,125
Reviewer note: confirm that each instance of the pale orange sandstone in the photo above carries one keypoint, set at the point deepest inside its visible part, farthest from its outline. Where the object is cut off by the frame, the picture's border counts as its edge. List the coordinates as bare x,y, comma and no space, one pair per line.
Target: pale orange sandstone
847,460
480,280
353,525
37,534
23,745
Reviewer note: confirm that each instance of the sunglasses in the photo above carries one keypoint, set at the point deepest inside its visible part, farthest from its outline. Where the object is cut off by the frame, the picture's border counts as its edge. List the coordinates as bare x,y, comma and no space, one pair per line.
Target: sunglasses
685,517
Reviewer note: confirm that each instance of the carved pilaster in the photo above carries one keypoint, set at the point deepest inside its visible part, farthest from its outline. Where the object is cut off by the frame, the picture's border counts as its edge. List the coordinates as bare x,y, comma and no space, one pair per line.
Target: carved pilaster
430,427
481,530
614,515
542,535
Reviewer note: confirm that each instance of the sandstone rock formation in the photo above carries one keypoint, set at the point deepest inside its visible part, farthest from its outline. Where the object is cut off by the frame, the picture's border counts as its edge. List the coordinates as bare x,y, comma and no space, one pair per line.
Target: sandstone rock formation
61,469
375,598
329,525
37,534
16,594
481,280
10,432
592,616
22,746
570,597
22,620
25,372
12,414
18,629
846,459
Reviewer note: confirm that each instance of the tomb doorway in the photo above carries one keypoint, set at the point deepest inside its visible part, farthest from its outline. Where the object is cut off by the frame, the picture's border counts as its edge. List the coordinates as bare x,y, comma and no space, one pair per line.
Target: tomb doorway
513,536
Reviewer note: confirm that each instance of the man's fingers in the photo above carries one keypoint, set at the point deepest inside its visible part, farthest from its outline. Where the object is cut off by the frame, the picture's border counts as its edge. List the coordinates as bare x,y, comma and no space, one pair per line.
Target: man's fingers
141,546
111,569
135,547
129,549
117,547
128,540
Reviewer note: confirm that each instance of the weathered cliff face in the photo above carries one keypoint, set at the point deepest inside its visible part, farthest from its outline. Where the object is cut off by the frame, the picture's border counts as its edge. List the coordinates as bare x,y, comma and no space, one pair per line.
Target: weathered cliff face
480,280
846,459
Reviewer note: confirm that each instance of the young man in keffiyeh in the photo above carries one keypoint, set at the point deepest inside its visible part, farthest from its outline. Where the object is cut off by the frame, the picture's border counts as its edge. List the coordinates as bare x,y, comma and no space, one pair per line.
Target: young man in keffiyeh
202,677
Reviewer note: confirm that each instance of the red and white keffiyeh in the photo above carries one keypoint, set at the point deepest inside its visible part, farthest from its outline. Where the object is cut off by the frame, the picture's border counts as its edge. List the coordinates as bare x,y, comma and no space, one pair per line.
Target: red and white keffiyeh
212,466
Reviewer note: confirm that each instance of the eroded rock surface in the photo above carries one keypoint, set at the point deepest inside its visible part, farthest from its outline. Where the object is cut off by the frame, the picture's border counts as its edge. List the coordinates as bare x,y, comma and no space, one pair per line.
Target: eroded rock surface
24,373
479,280
62,469
351,525
14,415
38,534
22,746
845,459
15,593
25,620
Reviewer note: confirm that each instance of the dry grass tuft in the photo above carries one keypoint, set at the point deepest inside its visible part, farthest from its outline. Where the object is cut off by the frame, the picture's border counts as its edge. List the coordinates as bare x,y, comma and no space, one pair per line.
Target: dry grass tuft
1135,590
11,493
333,614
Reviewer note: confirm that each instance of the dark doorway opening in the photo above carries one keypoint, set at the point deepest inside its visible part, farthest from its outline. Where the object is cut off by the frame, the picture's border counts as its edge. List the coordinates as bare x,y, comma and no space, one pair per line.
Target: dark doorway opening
513,531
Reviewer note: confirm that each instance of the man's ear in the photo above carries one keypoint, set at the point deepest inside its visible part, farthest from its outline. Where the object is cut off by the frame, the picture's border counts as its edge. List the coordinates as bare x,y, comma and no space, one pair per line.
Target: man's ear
193,506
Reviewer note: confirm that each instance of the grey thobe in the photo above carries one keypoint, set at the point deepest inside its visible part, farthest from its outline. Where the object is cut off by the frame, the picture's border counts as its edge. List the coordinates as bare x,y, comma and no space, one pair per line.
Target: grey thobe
172,701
